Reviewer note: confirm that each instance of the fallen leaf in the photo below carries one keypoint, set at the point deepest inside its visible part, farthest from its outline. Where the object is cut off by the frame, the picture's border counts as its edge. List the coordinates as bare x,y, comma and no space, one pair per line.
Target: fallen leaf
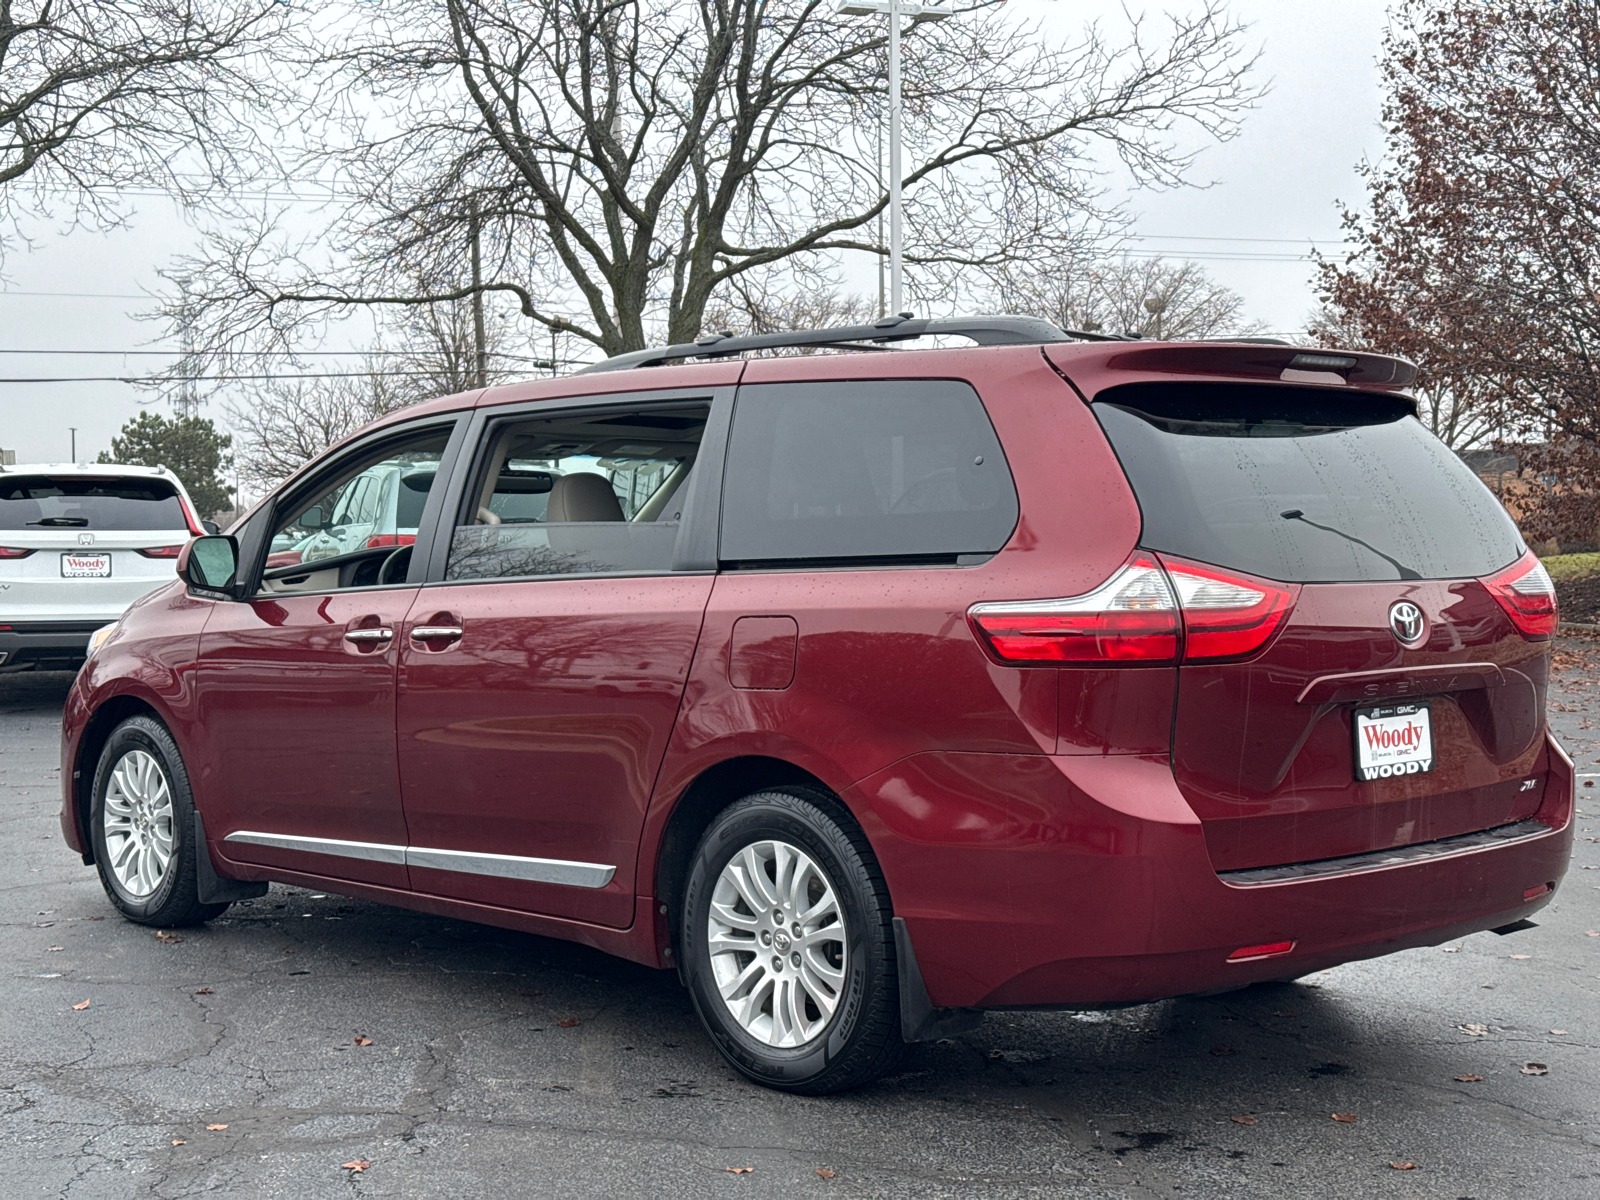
205,991
1591,933
1521,957
1243,1120
1222,1051
1559,1032
53,949
1452,949
1285,1013
215,1128
363,1041
1474,1030
738,1170
1469,1078
573,1023
80,1007
824,1172
1535,1069
357,1165
1404,1166
179,1142
1347,1118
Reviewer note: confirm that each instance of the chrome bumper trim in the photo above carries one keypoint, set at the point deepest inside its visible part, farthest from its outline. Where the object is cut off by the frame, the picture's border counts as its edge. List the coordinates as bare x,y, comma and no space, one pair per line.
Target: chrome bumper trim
503,866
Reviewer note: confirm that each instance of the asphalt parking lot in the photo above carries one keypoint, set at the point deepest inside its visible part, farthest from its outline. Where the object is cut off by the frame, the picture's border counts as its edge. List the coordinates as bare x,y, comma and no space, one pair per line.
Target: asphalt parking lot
302,1033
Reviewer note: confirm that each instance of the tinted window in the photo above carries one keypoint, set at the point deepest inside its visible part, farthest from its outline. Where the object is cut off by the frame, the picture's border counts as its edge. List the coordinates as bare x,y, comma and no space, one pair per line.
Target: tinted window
37,502
579,494
875,470
1302,486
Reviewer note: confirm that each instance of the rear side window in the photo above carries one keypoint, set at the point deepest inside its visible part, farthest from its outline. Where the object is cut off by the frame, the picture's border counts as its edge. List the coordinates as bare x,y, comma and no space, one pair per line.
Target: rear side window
1302,485
131,505
871,470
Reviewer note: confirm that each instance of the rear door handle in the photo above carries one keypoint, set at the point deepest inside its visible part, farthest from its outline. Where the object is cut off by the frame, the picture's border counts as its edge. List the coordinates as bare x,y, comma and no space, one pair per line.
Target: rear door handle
428,633
368,635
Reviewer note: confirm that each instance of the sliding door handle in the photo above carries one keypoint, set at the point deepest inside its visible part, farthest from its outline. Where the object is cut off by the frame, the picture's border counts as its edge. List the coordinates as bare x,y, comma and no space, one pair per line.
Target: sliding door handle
368,635
431,633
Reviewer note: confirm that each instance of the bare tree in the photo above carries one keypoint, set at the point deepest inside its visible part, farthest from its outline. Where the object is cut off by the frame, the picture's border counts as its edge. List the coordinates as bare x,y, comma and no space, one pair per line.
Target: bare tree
97,95
1143,297
621,163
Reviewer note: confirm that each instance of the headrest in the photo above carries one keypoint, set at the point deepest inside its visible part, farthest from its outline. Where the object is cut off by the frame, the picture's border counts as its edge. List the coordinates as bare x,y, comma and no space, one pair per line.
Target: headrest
583,497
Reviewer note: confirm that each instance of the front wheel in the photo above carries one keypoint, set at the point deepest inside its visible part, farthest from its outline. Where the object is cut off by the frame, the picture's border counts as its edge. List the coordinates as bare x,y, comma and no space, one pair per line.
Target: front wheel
787,939
142,823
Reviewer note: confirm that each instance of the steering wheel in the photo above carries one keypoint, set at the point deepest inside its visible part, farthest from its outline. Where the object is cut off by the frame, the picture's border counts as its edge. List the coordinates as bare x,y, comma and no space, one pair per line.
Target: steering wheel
394,566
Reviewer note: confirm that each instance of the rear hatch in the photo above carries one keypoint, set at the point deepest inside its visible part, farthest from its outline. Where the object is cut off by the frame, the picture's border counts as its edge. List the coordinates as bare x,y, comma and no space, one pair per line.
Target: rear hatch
1366,643
82,548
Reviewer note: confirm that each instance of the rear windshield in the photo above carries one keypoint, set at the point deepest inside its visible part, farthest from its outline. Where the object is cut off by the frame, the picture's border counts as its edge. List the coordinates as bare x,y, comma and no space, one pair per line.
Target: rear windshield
1302,485
130,505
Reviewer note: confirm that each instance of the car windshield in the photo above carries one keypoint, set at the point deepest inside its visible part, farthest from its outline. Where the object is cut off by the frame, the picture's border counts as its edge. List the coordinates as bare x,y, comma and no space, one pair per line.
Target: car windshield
36,502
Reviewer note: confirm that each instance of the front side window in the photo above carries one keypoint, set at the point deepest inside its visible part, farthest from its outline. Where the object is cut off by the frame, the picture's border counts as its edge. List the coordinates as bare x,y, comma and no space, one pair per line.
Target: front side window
352,526
891,470
579,494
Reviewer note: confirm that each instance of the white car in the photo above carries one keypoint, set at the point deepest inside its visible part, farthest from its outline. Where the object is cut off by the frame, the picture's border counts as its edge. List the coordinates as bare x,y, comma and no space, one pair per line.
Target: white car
79,542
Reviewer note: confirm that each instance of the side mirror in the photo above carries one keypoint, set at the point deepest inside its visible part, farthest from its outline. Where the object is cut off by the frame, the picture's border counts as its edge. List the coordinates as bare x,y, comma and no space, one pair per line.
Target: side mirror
210,564
312,518
210,526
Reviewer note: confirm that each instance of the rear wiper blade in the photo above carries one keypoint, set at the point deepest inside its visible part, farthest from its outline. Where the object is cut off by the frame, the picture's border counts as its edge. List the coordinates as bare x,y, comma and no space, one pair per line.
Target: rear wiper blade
60,522
1295,514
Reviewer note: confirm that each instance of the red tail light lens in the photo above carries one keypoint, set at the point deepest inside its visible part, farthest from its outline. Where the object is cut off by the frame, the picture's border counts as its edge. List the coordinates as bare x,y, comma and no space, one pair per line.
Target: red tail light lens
1524,590
1226,614
14,552
391,539
161,551
1131,618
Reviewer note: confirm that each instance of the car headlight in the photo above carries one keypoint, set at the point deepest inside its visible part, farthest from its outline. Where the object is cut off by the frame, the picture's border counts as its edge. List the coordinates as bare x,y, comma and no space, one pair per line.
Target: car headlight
99,636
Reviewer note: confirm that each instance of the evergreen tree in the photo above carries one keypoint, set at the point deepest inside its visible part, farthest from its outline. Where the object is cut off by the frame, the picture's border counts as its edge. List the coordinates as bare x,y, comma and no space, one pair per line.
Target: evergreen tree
189,447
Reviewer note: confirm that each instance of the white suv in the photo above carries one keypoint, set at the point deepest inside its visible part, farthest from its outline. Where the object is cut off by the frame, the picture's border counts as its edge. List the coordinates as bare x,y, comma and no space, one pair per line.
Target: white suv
79,542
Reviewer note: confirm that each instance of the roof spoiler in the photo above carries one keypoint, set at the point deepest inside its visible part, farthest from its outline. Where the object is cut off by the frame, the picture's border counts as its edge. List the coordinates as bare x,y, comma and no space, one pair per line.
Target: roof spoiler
1265,362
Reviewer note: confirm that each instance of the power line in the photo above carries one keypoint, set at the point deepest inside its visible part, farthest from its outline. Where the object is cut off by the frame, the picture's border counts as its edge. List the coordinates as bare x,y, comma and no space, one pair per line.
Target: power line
149,379
277,354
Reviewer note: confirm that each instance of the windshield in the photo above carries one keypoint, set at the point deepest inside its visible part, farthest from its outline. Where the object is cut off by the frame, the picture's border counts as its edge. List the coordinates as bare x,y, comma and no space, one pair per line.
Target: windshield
35,502
1302,486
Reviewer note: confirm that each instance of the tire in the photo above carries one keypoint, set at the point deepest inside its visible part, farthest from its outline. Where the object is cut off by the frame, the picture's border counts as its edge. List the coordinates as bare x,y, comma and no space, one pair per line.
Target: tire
835,1023
142,803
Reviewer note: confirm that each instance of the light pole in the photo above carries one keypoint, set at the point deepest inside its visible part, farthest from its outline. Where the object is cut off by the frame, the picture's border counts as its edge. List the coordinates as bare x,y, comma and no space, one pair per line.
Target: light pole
922,10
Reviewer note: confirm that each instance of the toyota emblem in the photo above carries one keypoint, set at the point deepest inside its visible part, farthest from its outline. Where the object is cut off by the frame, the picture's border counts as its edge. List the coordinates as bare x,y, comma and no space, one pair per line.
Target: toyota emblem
1409,625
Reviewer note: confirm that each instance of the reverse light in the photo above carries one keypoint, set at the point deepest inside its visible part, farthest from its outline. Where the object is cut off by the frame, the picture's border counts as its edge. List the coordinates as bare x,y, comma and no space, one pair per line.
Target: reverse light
1226,614
1524,590
14,552
391,539
1130,619
161,551
1269,950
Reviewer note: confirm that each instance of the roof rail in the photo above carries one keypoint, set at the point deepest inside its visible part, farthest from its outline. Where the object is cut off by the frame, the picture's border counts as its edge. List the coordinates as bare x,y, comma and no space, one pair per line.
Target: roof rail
986,331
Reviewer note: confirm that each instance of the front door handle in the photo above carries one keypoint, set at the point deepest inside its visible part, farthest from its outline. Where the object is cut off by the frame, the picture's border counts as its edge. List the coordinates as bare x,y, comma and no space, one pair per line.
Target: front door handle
428,633
368,635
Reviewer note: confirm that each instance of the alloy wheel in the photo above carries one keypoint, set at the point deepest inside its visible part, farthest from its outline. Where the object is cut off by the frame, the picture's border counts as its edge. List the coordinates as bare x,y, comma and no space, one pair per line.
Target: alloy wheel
138,818
778,943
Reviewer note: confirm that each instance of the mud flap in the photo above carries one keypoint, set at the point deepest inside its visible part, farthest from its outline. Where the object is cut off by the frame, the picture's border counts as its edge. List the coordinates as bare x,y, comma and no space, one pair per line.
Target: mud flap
213,888
920,1021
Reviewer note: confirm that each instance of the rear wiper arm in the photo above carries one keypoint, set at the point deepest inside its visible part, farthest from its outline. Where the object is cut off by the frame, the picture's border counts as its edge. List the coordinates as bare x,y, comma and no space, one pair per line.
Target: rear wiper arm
60,522
1295,514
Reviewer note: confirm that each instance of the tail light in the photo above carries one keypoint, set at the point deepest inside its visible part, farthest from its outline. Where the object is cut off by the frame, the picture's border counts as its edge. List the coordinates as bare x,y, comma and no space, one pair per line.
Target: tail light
391,539
1226,614
1524,590
1131,618
161,551
14,552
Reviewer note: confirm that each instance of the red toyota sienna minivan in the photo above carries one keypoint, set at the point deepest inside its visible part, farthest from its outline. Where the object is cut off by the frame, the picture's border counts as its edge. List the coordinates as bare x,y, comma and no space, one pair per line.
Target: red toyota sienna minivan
869,691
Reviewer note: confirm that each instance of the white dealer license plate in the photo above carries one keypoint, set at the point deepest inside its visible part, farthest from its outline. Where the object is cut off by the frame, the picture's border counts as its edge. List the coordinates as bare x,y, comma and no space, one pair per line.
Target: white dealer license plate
85,566
1394,739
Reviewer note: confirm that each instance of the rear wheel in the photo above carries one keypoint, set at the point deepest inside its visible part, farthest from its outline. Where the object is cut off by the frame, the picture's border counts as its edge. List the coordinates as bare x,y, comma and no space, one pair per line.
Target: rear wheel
788,944
142,823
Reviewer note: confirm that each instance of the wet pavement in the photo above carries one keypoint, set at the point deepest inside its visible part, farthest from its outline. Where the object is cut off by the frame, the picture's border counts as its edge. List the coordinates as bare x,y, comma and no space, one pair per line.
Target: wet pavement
309,1031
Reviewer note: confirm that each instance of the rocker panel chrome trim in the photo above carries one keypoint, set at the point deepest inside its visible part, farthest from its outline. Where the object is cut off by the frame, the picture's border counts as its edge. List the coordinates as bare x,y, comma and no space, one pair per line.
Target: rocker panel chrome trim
504,866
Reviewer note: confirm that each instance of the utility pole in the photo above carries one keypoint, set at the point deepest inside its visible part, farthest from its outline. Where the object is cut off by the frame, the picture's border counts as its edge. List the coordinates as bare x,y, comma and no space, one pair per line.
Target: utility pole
921,10
477,303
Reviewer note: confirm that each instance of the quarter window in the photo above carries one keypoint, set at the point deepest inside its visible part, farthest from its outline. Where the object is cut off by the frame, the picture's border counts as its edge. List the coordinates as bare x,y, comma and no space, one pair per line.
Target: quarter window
907,470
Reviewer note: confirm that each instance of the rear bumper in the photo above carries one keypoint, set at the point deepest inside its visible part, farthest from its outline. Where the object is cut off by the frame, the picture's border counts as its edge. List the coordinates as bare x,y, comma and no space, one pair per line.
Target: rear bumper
47,645
1083,881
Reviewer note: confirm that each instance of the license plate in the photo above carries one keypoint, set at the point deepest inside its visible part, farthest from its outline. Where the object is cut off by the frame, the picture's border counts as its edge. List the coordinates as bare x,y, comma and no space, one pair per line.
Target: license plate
85,566
1394,739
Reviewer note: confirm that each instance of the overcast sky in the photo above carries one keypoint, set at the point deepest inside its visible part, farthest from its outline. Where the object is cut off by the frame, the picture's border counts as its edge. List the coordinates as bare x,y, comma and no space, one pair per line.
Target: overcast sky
1275,191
